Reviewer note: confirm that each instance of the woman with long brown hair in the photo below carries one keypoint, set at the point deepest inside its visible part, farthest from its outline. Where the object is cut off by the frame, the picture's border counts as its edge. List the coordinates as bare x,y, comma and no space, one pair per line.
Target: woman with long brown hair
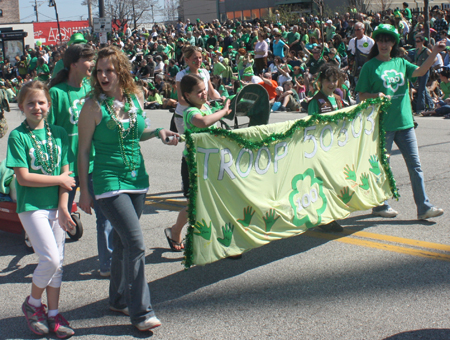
114,123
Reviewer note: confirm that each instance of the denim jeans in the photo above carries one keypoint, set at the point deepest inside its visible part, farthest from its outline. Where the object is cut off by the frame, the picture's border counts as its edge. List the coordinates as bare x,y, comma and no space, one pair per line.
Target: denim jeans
423,96
407,144
104,228
128,285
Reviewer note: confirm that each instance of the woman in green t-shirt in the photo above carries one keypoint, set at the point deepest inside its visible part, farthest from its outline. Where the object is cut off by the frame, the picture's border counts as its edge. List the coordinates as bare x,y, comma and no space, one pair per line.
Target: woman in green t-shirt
112,121
37,151
385,74
68,90
42,70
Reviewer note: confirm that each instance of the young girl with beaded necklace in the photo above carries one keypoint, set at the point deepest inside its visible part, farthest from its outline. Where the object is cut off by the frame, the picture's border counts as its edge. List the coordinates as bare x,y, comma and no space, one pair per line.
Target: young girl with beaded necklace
112,121
37,152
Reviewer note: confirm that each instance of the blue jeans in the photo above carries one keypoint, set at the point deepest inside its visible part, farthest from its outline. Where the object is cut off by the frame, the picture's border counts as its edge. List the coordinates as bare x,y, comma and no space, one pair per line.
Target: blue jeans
104,228
128,285
423,96
407,144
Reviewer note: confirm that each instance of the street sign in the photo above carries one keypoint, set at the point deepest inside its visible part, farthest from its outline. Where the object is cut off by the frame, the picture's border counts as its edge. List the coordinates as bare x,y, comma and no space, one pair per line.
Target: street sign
102,25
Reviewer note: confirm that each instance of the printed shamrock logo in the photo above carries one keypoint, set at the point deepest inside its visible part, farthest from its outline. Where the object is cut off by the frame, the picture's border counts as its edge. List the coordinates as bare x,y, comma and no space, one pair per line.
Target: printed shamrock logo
75,110
35,164
227,231
307,199
202,229
393,79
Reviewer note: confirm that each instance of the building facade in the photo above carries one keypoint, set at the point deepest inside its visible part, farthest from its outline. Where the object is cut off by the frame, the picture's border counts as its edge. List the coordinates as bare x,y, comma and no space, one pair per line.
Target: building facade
9,11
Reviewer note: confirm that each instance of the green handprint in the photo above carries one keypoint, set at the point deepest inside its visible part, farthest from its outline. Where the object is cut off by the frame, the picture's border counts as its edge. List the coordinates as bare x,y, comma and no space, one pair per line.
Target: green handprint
269,219
204,230
375,165
248,214
345,196
227,231
350,173
364,181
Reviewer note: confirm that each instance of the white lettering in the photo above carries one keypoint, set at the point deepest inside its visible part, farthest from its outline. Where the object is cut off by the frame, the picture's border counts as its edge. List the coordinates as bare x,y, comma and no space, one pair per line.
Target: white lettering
258,156
225,166
207,152
238,162
277,157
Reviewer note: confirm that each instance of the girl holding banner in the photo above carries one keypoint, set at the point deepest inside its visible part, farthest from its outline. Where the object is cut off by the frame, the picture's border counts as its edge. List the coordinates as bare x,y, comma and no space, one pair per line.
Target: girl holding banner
385,74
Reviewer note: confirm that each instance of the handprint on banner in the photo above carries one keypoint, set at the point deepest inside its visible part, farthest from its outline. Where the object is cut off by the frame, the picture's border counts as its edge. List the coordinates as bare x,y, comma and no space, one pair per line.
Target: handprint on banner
375,165
248,214
350,173
203,230
269,219
365,181
227,231
307,199
345,195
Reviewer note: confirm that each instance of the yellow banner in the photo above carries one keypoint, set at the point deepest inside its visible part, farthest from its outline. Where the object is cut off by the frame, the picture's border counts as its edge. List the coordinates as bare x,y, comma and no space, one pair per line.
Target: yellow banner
251,186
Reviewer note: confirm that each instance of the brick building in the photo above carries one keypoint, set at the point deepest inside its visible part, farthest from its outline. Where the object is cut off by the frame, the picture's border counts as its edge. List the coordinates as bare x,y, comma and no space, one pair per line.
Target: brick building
9,11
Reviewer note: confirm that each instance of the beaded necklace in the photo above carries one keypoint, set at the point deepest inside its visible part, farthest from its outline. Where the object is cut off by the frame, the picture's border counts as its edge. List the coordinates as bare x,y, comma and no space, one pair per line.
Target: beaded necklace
47,163
123,133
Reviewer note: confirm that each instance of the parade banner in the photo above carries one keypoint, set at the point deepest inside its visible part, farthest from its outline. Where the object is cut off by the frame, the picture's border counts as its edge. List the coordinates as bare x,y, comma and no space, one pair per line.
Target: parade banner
252,186
47,32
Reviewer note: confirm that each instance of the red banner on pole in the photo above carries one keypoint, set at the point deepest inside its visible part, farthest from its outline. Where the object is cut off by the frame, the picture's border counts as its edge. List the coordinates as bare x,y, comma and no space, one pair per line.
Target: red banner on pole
47,32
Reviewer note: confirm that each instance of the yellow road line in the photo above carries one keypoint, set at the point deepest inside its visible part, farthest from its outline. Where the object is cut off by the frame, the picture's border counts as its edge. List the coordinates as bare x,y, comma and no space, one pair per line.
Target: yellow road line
395,239
382,246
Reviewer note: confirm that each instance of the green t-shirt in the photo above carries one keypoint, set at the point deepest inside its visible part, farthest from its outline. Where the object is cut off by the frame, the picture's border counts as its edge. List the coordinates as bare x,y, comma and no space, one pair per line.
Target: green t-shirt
391,78
173,70
58,67
314,108
43,69
67,102
110,172
192,111
33,63
155,98
21,154
445,87
293,37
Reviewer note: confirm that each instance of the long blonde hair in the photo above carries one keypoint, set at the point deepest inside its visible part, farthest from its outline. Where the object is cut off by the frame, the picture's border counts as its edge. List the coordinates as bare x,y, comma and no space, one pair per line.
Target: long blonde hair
122,68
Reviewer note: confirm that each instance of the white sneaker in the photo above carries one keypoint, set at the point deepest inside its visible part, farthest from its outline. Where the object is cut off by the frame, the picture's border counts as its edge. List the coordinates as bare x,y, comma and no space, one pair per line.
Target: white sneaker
389,213
148,324
120,310
432,212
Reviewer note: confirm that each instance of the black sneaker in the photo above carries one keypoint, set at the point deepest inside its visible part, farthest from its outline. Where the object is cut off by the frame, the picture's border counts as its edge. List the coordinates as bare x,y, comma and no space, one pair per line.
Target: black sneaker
333,226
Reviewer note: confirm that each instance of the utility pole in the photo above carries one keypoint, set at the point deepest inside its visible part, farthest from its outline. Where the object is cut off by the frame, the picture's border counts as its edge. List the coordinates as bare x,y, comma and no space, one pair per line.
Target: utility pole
35,9
153,17
101,8
52,3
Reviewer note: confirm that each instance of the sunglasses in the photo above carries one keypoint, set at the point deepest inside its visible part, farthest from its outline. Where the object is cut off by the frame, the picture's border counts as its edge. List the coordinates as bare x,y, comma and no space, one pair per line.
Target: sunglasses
419,41
358,29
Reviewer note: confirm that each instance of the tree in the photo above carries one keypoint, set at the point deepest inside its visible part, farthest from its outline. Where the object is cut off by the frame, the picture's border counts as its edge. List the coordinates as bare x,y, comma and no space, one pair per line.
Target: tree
170,11
135,11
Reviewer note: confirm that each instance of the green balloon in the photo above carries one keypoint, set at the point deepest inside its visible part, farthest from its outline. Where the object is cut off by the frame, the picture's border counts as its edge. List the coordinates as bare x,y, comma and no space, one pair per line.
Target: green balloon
38,43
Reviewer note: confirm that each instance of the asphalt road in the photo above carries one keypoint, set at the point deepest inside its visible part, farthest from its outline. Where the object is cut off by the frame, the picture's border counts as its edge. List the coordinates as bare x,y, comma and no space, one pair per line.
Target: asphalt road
380,279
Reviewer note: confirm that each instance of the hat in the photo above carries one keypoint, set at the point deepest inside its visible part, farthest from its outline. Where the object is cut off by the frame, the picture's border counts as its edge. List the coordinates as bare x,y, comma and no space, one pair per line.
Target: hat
279,88
386,29
248,72
329,22
77,38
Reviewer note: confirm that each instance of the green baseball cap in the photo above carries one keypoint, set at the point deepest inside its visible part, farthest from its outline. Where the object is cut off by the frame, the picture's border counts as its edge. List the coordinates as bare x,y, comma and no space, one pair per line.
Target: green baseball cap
386,29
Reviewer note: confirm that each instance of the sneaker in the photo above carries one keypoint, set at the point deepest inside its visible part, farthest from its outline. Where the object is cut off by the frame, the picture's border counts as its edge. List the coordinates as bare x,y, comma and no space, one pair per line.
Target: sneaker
60,327
36,318
120,310
389,213
282,109
333,226
148,324
105,273
432,212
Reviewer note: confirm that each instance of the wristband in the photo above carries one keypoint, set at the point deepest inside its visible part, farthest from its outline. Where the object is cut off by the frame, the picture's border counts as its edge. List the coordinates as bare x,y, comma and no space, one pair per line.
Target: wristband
157,132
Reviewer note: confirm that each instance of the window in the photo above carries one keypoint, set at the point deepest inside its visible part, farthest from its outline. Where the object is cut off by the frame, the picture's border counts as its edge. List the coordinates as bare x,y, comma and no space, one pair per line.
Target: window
230,15
238,15
247,14
1,12
255,13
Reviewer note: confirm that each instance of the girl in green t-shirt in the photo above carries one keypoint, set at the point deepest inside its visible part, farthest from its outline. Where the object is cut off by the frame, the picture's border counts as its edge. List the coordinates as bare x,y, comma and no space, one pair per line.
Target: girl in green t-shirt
197,116
386,74
37,151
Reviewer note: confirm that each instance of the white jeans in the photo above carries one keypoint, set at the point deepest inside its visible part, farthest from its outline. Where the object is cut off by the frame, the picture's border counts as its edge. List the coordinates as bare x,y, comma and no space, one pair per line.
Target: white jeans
47,238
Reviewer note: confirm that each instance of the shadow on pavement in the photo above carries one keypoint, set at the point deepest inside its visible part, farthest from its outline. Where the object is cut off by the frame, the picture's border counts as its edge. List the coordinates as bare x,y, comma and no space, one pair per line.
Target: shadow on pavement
425,334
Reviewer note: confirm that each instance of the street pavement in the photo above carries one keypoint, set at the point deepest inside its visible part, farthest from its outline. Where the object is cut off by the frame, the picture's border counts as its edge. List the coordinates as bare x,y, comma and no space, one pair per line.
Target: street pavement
379,279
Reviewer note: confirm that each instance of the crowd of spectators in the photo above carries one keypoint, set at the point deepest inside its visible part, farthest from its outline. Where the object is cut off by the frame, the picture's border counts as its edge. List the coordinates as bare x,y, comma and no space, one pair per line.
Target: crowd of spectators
283,57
